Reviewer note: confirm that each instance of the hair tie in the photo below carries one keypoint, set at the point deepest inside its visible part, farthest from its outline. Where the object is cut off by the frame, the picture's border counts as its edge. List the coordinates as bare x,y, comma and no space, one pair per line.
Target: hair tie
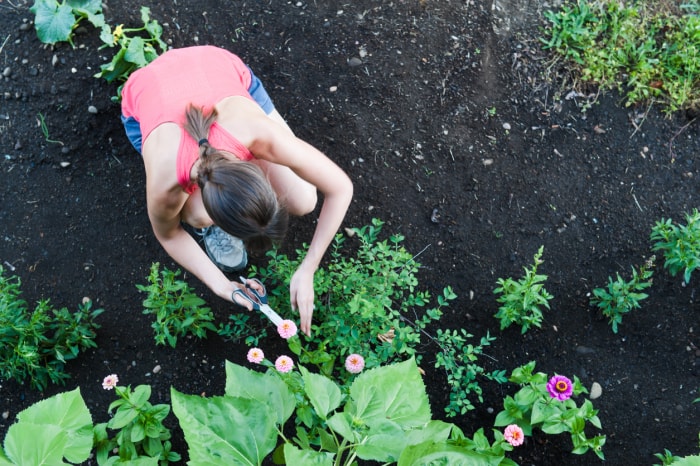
203,141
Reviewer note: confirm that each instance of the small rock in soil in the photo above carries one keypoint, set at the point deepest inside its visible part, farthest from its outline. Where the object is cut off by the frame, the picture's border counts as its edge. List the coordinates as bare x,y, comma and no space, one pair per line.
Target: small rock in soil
596,391
156,369
584,350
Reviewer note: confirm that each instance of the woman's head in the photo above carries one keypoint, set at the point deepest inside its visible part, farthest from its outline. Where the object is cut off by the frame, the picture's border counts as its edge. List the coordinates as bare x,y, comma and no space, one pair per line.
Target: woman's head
236,195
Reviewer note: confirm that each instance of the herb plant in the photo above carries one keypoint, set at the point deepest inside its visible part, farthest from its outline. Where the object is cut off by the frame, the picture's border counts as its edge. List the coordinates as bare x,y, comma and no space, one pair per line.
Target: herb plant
547,404
35,345
522,300
177,310
622,296
679,243
55,21
141,438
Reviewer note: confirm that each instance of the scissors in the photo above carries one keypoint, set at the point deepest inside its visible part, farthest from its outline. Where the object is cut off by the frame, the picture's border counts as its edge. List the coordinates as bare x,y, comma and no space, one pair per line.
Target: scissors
257,298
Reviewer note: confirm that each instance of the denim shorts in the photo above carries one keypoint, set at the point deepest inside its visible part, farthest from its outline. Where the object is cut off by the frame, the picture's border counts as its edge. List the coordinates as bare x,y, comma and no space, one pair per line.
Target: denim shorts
256,91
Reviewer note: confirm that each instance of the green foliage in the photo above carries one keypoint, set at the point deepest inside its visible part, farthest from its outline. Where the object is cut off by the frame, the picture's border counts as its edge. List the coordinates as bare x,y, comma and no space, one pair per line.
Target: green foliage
533,407
49,431
521,300
458,358
141,438
667,458
178,311
370,304
35,345
55,21
240,329
133,50
641,48
622,296
679,243
384,416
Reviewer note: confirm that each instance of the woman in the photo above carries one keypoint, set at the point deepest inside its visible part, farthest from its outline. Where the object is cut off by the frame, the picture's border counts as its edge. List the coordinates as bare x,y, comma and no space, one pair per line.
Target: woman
217,154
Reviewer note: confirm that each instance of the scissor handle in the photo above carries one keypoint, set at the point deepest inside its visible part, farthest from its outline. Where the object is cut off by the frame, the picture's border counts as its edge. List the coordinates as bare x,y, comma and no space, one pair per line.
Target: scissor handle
260,295
254,301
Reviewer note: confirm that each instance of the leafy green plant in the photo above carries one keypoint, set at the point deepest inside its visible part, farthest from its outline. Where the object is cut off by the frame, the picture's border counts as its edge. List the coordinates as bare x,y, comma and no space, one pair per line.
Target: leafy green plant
240,329
679,243
458,358
50,431
384,416
177,310
622,296
647,52
55,21
522,299
667,458
141,438
35,345
370,304
134,51
546,404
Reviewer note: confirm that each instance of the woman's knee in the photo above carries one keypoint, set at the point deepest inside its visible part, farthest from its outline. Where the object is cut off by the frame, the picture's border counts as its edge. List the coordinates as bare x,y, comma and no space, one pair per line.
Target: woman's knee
302,201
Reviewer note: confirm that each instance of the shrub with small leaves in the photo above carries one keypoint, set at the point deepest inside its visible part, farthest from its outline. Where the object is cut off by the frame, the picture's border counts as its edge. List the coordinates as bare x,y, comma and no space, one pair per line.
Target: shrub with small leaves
679,243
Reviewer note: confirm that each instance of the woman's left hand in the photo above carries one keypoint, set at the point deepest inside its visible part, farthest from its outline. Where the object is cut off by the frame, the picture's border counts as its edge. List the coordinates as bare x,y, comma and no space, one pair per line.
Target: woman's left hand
301,293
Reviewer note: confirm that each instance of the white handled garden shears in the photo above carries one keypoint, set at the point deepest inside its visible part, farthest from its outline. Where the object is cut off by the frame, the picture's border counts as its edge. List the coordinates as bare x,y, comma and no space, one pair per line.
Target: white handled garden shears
257,297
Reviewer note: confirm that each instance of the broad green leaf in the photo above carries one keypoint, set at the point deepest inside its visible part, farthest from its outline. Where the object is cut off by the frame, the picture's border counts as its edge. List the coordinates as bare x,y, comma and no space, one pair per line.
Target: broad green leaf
323,393
435,431
233,430
384,442
688,461
341,423
53,21
444,454
395,392
293,455
265,387
35,444
68,412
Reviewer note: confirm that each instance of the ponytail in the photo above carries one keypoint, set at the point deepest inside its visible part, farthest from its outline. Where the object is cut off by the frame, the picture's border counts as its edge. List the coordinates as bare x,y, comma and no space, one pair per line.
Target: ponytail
197,124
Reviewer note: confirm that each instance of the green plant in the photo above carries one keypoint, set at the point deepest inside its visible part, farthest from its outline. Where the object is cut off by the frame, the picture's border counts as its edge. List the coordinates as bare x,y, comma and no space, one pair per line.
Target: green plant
45,129
521,300
545,404
141,438
622,296
49,431
55,21
35,345
177,310
648,53
133,51
667,458
370,304
458,358
240,329
679,243
384,416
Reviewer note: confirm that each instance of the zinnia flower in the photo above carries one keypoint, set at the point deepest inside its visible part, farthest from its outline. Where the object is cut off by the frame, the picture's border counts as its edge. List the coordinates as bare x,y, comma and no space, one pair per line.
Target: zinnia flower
255,355
110,382
514,435
284,364
287,329
354,363
560,387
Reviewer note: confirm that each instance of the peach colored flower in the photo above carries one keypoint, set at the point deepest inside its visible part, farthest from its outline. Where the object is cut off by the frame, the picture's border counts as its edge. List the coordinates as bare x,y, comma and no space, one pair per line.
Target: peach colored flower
560,387
255,355
514,435
110,382
284,364
354,363
287,329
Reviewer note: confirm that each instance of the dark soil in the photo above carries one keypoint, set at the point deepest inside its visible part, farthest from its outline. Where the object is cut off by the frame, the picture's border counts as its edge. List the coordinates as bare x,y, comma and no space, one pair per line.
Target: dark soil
412,127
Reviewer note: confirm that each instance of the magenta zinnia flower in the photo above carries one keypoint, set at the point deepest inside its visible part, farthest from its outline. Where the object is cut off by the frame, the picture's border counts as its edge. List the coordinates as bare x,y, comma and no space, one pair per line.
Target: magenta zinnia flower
514,435
255,355
560,387
287,329
284,364
110,382
354,363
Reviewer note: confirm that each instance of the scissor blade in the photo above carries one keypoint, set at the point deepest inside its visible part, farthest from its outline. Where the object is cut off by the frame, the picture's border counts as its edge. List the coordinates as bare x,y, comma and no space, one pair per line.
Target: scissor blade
272,315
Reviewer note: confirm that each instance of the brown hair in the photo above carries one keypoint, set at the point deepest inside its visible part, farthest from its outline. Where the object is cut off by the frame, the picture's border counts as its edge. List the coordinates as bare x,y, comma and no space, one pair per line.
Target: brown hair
237,195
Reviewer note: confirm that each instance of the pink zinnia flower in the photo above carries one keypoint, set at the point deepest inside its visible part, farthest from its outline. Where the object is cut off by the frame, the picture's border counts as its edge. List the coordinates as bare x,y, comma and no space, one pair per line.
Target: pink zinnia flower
287,329
284,364
354,363
255,355
110,382
514,435
560,387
